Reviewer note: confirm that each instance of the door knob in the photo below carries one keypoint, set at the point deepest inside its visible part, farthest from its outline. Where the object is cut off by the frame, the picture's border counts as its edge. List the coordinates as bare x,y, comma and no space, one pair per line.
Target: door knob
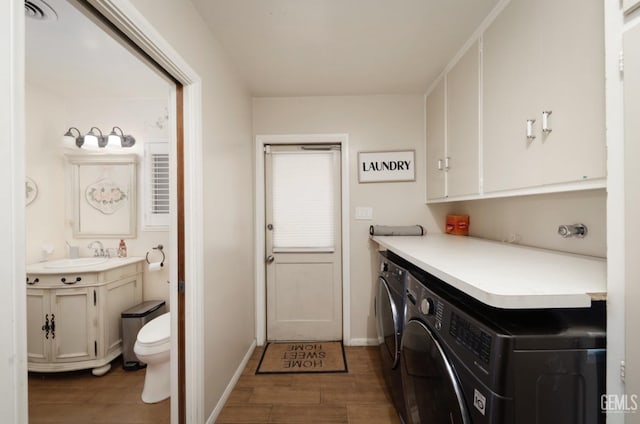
270,259
270,227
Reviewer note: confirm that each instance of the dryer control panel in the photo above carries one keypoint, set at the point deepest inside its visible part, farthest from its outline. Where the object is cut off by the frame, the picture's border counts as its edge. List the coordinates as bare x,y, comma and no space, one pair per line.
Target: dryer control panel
470,336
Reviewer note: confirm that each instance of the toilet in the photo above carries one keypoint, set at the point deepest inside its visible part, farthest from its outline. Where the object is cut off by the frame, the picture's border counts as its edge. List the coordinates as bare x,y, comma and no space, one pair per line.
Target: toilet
153,346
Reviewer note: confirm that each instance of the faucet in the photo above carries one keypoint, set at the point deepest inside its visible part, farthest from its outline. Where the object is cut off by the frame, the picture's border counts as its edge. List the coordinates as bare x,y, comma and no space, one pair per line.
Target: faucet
97,251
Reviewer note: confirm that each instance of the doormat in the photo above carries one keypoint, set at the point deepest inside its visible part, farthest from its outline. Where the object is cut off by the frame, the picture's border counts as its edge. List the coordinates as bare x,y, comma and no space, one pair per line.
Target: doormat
302,357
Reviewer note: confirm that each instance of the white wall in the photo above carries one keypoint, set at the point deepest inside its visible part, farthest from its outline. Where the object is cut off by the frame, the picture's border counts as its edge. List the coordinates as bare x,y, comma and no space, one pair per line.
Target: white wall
145,119
534,220
373,123
48,218
44,163
228,193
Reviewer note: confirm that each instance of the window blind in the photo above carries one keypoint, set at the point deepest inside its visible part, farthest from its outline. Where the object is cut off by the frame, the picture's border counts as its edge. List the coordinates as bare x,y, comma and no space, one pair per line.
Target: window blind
303,202
157,187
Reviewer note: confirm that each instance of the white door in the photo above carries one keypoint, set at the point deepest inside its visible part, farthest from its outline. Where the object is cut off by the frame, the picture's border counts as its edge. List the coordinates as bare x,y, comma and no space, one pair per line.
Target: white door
303,242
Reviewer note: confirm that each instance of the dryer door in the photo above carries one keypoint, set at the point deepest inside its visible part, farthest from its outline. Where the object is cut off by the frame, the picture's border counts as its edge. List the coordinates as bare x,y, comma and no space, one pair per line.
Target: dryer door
431,389
388,322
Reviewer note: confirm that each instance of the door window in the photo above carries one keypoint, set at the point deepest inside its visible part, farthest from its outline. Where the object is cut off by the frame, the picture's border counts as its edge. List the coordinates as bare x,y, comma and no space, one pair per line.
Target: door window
303,202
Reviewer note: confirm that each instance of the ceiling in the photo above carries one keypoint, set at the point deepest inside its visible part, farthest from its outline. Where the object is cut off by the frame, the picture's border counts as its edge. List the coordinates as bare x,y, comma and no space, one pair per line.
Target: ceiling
280,47
336,47
70,55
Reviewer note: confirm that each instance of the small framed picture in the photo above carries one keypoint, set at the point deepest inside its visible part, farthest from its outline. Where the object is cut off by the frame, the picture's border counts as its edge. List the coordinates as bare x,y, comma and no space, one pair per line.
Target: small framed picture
377,167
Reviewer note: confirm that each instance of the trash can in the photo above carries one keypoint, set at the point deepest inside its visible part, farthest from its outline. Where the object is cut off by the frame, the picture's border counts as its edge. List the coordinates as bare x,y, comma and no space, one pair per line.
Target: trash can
133,319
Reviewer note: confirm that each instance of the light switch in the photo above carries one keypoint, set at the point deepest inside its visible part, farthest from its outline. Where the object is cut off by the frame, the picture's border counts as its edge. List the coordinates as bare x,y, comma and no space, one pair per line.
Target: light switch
364,213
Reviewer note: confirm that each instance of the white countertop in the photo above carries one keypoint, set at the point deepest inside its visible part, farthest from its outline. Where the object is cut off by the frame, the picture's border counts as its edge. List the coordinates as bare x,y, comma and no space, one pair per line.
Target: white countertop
109,263
505,275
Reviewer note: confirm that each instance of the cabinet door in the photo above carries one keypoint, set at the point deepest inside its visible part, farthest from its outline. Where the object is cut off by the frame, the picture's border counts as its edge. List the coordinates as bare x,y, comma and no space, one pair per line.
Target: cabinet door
510,97
435,111
75,318
38,341
535,62
463,125
572,83
118,296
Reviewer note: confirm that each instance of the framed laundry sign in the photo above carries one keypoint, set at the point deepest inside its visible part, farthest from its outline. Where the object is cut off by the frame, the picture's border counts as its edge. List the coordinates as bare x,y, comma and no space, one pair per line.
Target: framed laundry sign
375,167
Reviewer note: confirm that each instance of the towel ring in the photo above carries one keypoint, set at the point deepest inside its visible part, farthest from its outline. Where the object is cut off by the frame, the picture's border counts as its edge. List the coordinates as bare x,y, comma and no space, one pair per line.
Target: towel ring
158,247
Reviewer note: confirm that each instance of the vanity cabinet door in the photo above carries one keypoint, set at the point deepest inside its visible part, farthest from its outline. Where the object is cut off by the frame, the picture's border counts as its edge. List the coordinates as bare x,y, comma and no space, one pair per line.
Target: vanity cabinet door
38,346
118,297
74,314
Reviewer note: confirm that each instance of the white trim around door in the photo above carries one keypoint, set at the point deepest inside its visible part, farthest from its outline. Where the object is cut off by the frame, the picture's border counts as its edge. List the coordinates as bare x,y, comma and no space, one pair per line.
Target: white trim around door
124,15
261,297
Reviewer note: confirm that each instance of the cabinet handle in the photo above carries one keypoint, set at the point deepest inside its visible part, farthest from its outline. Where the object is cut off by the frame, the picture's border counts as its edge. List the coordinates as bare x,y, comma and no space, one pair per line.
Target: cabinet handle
545,121
53,326
439,164
36,280
446,163
64,280
46,327
530,135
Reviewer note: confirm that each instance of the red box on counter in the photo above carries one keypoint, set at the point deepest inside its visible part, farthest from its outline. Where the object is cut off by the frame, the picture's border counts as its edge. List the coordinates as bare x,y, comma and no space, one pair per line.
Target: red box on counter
457,225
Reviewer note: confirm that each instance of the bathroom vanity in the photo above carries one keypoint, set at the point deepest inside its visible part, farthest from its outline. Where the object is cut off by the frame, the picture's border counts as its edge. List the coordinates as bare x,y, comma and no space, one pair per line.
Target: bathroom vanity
73,311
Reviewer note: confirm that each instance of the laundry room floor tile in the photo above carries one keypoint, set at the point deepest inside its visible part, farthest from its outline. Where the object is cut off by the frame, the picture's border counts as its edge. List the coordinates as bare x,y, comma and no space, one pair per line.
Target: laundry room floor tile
357,397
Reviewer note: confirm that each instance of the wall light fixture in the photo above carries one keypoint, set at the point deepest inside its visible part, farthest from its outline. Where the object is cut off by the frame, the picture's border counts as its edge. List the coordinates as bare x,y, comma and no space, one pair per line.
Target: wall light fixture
120,140
91,140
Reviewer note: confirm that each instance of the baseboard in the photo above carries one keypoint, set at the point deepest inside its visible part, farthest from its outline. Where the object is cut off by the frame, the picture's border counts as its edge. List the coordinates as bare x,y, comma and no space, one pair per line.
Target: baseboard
236,376
363,342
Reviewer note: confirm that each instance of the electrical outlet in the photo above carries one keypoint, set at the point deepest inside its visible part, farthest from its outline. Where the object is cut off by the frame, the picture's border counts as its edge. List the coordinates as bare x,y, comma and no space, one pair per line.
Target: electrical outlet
364,213
622,371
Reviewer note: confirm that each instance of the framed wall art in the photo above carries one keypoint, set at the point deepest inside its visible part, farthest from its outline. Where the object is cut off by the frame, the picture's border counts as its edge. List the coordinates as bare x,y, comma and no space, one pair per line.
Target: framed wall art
103,193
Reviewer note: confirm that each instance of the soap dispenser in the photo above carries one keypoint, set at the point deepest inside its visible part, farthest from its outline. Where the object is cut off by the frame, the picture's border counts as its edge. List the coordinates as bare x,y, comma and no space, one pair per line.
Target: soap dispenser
122,249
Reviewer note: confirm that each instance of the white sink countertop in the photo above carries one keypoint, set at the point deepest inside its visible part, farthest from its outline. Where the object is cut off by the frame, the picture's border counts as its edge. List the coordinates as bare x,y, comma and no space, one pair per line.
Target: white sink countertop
91,264
505,275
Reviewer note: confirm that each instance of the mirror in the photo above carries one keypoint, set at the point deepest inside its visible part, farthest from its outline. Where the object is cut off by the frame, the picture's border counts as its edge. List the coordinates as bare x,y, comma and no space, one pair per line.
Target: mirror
103,195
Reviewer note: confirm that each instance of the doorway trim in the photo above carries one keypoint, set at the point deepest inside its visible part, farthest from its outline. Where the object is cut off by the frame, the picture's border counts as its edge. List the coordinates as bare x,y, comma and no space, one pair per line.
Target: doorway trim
124,16
260,223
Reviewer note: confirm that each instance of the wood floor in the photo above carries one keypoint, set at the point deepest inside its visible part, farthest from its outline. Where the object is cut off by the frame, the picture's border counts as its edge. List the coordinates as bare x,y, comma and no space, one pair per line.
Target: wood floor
356,397
81,398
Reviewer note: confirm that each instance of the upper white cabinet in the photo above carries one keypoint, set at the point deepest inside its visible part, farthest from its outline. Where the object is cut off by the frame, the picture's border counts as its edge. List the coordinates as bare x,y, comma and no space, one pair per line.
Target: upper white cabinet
463,120
543,95
452,111
436,142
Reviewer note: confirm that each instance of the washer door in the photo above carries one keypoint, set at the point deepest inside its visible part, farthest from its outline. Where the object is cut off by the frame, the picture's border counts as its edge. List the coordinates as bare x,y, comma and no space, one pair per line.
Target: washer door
431,389
388,322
